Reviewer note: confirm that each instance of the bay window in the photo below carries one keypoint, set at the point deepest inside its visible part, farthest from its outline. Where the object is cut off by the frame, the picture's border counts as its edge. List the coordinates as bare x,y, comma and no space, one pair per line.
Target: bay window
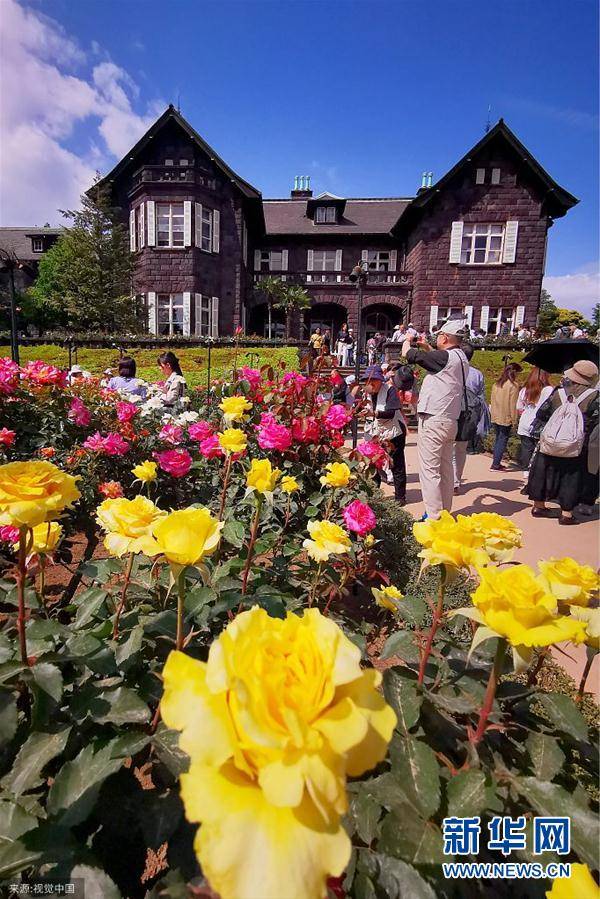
169,218
169,314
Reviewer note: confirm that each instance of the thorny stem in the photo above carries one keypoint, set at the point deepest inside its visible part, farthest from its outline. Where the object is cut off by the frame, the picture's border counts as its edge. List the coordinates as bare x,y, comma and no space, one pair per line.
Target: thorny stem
438,614
313,590
543,655
584,677
329,505
43,582
490,692
225,486
253,534
20,578
126,582
180,602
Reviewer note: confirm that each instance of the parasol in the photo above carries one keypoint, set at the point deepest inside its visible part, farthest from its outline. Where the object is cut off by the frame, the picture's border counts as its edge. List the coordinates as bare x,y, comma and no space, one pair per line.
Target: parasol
560,353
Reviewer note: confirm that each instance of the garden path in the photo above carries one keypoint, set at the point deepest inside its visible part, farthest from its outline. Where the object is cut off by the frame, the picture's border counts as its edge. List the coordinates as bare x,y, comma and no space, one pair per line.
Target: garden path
495,491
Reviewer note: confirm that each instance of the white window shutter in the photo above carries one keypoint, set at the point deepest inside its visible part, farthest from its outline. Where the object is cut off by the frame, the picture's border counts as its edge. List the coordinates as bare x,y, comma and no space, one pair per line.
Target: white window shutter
257,255
393,260
152,328
510,242
151,217
433,317
480,176
469,315
484,319
187,310
364,255
198,224
214,317
310,260
132,230
244,242
216,230
338,260
520,316
142,225
495,176
456,242
284,260
198,314
187,223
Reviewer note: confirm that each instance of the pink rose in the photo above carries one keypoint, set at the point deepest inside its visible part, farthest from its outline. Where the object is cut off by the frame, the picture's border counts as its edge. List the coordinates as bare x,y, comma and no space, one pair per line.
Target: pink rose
337,417
9,534
210,447
306,430
373,452
9,376
7,438
176,462
43,375
252,375
274,437
78,413
126,411
296,379
200,430
359,517
172,434
111,445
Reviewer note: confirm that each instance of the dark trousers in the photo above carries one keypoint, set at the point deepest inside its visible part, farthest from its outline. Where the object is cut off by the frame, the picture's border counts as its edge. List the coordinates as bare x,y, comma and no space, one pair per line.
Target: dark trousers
398,467
502,435
527,448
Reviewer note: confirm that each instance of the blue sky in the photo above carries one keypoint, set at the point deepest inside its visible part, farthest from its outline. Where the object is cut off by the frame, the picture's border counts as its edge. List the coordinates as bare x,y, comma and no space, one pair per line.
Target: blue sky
362,96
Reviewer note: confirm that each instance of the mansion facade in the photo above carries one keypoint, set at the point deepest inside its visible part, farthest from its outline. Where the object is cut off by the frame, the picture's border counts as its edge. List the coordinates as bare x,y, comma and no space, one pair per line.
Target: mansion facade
472,242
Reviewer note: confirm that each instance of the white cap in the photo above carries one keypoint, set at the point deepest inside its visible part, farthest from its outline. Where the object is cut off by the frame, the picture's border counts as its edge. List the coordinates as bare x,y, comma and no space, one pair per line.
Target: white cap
454,326
76,370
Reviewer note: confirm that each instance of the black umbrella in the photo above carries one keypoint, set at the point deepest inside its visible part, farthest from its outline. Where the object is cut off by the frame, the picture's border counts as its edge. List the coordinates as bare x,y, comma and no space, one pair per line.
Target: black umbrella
560,353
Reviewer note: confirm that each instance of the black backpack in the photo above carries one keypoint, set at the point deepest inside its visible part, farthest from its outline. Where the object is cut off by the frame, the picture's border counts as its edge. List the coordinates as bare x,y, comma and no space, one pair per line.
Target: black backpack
470,412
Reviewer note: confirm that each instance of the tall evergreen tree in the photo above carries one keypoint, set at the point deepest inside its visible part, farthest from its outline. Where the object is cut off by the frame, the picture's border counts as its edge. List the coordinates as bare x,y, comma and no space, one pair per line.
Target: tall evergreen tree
86,277
548,314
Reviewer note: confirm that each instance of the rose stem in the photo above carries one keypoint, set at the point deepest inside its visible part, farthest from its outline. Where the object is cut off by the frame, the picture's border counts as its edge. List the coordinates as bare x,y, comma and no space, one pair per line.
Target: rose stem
435,623
126,582
20,580
253,534
490,692
225,486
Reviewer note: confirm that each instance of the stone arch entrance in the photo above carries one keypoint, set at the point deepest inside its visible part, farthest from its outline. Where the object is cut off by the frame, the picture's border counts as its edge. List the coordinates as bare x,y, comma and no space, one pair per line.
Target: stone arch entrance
326,315
380,317
257,322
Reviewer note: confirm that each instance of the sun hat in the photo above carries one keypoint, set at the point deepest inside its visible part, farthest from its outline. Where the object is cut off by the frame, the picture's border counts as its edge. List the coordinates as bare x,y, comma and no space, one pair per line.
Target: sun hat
373,373
76,370
454,326
583,372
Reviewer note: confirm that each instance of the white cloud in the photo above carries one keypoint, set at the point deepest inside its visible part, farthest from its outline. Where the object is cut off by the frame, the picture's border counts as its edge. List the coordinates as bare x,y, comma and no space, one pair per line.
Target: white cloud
47,91
579,290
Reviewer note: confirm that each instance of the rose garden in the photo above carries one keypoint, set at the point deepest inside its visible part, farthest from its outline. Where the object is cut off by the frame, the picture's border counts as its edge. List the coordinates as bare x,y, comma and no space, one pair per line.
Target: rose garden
229,666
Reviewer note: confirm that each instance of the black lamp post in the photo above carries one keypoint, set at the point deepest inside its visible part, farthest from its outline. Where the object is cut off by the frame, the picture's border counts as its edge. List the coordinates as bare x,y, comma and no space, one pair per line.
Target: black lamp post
10,262
358,276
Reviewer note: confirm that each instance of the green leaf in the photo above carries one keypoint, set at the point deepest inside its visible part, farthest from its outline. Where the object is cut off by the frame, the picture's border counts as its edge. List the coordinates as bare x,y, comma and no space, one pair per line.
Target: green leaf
546,756
234,533
401,644
399,880
415,769
459,699
564,714
410,837
466,794
8,717
365,812
551,800
402,695
120,706
96,884
412,610
33,756
129,744
49,679
363,888
91,605
14,821
166,744
197,599
31,847
131,646
75,790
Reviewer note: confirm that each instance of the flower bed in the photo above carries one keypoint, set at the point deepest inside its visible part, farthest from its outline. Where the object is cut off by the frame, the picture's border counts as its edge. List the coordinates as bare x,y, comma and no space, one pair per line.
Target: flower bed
197,709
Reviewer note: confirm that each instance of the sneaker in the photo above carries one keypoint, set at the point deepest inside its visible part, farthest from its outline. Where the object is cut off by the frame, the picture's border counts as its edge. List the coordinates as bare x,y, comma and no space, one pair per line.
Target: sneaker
567,519
497,468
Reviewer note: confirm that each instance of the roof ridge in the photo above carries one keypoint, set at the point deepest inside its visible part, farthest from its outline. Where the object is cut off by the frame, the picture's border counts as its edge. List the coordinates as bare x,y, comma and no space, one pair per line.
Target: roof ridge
348,199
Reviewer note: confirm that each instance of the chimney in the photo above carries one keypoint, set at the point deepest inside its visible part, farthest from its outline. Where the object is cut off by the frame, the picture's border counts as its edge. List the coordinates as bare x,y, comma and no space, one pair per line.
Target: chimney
426,181
301,188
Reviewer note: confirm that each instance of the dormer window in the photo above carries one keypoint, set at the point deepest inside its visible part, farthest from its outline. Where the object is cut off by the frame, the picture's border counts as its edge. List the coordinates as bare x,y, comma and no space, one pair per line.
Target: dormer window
37,244
168,162
184,162
325,214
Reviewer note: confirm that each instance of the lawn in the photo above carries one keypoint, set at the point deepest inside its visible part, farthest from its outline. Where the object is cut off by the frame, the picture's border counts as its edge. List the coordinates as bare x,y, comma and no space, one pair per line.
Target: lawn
194,361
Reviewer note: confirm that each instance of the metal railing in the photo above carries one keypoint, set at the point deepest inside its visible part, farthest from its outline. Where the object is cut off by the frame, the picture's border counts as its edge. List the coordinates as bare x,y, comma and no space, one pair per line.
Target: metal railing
374,278
172,174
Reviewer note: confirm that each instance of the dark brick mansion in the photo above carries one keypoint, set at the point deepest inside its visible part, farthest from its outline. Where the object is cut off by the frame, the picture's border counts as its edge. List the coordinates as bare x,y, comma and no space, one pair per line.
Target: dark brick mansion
473,241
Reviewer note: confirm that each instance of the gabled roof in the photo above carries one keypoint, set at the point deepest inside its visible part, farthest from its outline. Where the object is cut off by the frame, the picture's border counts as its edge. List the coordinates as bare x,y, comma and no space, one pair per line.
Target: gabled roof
374,215
558,199
171,114
18,241
327,196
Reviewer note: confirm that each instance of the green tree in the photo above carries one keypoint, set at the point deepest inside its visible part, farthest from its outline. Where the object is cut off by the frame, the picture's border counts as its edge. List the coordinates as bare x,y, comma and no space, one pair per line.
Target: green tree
548,314
596,318
85,279
573,317
282,295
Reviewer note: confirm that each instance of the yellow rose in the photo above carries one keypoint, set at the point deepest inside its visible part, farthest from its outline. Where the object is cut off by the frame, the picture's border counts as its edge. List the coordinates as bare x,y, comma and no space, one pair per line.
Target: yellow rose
128,524
145,471
445,542
387,597
33,492
289,484
369,541
327,539
591,618
234,407
46,537
569,581
262,477
500,536
515,604
187,536
580,885
274,723
232,440
338,475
